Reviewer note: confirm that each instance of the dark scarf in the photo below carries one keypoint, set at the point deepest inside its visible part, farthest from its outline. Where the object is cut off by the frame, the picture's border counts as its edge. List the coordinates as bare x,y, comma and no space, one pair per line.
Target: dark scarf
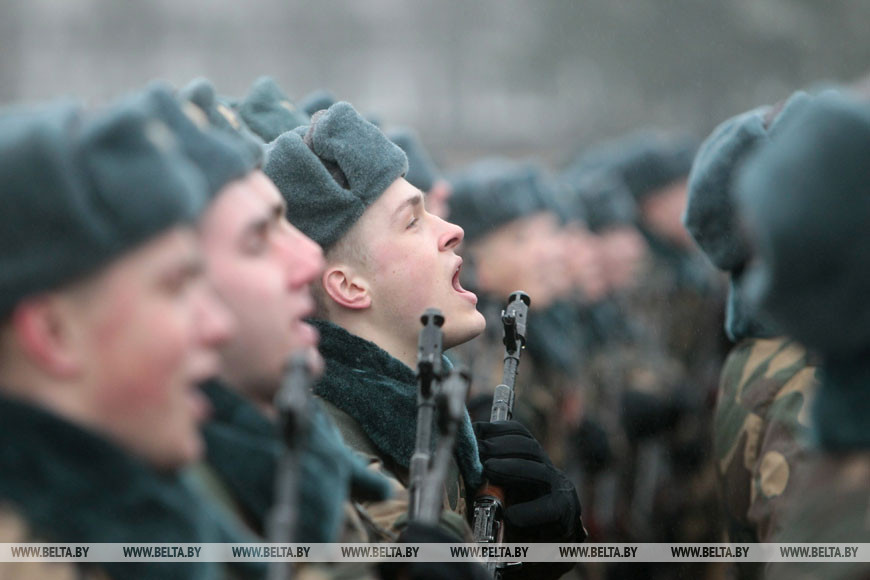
380,393
72,485
243,448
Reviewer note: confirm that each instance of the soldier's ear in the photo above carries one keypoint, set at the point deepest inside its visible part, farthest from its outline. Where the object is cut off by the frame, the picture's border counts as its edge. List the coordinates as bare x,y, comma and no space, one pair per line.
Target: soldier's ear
44,335
346,288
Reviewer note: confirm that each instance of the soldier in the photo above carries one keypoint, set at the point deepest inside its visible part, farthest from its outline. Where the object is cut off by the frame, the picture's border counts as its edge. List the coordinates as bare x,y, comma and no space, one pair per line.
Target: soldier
107,326
768,379
512,241
261,267
608,344
387,261
805,199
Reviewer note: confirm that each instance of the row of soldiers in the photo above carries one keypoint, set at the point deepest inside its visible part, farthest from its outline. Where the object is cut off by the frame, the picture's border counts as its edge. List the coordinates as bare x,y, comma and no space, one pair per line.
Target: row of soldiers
161,258
311,212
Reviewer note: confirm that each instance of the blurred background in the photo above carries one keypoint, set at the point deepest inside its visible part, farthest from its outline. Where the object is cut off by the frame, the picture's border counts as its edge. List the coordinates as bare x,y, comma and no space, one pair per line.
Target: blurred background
488,76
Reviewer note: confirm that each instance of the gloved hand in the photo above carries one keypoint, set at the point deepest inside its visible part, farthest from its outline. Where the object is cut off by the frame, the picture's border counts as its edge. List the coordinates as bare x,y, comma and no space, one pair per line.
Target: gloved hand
331,472
542,504
417,533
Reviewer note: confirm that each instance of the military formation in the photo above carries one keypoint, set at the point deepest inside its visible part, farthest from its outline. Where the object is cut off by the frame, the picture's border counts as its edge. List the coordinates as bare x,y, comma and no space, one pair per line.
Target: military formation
210,332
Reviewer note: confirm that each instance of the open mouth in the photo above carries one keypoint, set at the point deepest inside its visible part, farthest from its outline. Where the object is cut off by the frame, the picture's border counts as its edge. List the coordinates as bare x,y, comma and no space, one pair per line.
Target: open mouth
457,285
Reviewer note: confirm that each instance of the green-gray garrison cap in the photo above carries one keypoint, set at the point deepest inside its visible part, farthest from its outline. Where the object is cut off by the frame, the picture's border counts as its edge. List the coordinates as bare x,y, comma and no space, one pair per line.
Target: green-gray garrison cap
318,100
494,192
221,158
711,213
329,182
79,192
220,115
269,112
602,198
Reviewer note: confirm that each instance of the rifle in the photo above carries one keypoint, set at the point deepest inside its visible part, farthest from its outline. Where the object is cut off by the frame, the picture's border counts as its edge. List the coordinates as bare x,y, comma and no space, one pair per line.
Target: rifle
428,471
488,523
450,401
429,371
291,402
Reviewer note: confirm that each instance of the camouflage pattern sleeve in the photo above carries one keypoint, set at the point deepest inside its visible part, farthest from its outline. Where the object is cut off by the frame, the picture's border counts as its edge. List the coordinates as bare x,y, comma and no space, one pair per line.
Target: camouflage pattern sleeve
14,529
761,431
832,505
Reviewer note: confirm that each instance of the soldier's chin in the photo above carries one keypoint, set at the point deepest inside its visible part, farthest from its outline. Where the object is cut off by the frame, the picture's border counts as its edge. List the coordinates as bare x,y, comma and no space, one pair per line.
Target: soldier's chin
187,452
463,329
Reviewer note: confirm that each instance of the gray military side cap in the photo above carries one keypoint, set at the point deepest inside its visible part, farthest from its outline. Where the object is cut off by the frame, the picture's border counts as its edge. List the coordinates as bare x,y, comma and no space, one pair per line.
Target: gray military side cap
422,172
646,161
711,213
77,193
221,115
494,192
269,112
602,197
221,158
330,183
318,100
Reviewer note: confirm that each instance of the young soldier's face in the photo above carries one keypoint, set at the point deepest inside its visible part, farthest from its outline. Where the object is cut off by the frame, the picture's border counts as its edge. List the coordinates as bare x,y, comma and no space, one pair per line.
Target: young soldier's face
526,254
413,266
662,213
149,329
263,268
623,250
584,262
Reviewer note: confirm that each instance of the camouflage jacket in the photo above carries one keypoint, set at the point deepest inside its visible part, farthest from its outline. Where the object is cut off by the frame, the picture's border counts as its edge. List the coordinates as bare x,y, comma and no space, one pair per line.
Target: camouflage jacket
831,505
761,428
14,529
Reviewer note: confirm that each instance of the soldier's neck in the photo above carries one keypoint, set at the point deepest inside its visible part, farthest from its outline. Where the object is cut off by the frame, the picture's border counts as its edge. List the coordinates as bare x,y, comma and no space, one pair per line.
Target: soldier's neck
402,348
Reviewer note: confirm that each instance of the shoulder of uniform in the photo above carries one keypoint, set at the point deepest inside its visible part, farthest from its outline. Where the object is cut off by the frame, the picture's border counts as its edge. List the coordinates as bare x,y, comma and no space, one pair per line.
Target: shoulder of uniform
351,431
14,529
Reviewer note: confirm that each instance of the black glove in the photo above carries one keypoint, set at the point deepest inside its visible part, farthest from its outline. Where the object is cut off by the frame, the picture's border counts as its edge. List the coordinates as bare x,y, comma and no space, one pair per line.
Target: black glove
542,504
417,533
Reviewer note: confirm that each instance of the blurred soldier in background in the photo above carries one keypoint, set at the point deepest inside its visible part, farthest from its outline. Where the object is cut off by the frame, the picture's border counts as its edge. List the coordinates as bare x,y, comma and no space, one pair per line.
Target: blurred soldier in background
672,320
609,363
512,242
760,428
805,196
108,326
